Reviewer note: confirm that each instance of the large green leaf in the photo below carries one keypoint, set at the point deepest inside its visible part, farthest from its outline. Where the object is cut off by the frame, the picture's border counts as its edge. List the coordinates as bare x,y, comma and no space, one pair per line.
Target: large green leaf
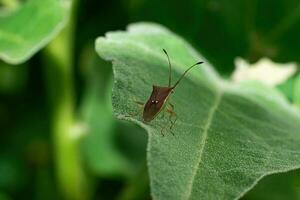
27,29
227,136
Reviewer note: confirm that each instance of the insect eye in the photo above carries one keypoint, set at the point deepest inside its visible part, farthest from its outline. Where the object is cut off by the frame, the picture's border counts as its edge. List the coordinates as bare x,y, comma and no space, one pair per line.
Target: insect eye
154,101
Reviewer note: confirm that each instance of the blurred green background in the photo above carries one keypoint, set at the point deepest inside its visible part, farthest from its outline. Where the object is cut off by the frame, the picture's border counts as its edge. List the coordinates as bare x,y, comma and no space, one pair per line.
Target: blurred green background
110,155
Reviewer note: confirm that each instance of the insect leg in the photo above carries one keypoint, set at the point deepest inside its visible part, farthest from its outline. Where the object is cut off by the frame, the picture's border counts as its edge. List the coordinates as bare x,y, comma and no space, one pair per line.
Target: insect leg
170,110
140,105
162,131
163,128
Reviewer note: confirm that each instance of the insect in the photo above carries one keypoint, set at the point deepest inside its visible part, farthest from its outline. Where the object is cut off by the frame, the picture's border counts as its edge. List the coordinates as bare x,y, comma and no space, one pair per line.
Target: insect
158,99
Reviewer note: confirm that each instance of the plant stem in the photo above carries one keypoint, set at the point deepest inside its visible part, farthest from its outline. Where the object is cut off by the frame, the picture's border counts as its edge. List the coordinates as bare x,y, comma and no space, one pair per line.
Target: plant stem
59,74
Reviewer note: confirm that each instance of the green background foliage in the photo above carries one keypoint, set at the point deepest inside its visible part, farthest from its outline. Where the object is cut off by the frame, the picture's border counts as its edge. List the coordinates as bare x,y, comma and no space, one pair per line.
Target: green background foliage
29,27
59,136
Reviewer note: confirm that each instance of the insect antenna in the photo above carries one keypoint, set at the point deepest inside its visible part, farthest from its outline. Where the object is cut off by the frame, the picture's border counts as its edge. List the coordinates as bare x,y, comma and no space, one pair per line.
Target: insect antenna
170,68
198,63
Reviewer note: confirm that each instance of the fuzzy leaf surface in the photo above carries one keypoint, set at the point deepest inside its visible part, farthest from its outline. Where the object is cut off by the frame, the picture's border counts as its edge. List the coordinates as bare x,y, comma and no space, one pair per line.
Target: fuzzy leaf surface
227,136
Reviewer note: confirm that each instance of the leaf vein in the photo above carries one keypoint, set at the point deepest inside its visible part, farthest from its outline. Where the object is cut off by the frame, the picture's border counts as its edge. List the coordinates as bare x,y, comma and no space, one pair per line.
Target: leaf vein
203,141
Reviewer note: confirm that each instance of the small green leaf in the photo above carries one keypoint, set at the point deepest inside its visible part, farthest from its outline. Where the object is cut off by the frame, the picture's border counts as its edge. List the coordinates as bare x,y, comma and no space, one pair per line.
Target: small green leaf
227,136
30,27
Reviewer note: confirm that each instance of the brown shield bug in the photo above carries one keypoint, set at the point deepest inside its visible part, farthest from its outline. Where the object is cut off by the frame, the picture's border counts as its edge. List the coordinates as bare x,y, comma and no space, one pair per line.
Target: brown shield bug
158,99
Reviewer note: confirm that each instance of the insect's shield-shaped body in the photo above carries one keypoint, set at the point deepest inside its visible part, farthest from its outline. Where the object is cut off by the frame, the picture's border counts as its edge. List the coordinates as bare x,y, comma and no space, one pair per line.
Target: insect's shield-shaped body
159,96
156,102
